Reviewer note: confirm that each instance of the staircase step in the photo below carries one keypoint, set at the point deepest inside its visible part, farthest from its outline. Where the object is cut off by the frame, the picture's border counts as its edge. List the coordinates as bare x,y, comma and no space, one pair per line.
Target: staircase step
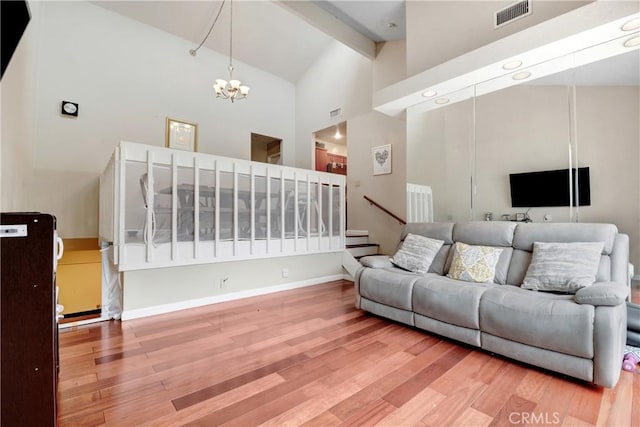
356,233
357,240
363,249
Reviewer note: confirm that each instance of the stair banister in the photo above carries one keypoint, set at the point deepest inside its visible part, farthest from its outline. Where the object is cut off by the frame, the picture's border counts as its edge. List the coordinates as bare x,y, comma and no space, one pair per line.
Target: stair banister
385,210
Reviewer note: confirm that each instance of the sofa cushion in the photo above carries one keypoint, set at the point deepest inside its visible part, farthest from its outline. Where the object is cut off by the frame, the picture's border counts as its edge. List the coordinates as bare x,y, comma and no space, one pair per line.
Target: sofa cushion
449,300
602,294
544,320
389,286
417,253
526,234
563,267
486,233
474,263
376,261
435,230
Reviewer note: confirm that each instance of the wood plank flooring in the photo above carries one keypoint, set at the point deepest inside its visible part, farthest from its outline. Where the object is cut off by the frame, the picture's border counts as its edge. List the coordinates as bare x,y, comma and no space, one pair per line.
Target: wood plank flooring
308,357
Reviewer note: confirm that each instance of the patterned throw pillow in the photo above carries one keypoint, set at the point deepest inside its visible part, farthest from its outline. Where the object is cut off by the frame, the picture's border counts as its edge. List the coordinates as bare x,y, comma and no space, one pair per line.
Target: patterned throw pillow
563,267
417,253
474,263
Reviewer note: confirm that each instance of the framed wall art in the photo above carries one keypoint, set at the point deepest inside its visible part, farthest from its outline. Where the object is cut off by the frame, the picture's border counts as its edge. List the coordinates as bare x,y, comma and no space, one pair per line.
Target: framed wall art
181,135
382,159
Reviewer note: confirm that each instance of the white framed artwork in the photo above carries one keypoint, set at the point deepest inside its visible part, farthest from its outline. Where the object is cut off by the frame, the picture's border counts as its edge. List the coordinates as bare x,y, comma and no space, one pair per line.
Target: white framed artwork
182,135
381,159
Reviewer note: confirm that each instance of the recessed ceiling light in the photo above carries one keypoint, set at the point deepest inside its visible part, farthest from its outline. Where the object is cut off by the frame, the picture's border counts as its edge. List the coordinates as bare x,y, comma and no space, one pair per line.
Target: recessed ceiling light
632,42
429,93
634,24
392,25
442,101
512,65
521,75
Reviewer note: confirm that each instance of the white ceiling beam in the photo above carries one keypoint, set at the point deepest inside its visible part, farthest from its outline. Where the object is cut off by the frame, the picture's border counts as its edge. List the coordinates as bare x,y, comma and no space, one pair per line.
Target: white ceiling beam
331,26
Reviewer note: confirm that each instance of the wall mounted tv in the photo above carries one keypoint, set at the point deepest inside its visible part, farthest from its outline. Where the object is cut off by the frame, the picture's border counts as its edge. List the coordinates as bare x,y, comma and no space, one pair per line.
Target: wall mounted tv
549,188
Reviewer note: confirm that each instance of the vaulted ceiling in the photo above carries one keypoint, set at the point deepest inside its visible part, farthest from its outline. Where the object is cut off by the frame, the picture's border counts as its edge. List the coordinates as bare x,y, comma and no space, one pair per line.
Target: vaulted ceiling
268,34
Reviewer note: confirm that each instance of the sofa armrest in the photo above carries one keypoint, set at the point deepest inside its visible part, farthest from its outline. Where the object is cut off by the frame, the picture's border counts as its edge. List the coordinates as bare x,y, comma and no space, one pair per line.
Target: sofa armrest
376,261
602,293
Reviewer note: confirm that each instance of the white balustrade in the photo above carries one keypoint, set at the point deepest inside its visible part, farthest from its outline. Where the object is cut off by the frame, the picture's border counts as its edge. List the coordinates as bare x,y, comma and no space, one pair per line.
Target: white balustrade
162,207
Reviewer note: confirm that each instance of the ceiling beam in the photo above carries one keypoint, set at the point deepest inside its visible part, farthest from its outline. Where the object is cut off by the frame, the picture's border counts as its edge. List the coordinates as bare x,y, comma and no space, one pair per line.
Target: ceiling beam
331,26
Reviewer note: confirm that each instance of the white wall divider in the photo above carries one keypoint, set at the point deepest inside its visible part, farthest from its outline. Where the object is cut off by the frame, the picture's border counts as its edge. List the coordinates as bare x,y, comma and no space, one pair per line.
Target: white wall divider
162,207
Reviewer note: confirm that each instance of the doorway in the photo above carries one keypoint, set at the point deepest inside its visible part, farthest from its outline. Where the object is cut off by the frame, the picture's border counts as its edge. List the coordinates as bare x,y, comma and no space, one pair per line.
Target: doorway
265,149
331,149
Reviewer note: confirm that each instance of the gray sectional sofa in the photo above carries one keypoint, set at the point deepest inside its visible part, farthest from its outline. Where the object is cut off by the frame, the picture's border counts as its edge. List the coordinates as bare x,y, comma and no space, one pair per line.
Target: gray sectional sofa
581,335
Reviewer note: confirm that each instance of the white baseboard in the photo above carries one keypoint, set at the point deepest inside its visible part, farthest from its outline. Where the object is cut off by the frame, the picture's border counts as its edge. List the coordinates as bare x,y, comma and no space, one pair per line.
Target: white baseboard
183,305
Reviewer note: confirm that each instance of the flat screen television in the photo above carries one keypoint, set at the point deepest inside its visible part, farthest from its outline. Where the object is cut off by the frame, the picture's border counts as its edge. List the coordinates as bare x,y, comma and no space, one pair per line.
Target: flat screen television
549,188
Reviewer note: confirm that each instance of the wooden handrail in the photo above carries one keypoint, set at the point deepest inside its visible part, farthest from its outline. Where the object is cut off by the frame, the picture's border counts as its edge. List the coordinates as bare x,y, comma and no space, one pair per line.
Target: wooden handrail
385,210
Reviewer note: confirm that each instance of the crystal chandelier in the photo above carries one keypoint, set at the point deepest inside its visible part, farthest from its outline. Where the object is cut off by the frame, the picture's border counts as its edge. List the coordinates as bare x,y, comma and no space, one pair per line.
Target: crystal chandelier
233,89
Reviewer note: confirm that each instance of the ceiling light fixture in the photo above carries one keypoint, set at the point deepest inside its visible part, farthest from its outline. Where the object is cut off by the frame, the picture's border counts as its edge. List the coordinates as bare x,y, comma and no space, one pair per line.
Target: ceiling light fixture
233,89
512,65
442,101
632,42
429,93
631,25
521,75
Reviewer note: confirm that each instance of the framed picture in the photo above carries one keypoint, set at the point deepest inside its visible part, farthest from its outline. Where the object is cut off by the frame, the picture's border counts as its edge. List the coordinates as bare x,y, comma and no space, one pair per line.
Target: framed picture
182,135
382,159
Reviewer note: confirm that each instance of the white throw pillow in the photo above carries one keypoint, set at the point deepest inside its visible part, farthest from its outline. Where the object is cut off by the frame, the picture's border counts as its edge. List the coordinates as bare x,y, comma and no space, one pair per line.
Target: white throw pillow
474,263
563,267
417,253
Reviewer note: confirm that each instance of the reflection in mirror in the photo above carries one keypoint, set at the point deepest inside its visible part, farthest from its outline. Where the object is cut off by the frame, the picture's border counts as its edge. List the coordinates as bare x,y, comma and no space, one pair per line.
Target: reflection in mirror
440,153
608,134
523,128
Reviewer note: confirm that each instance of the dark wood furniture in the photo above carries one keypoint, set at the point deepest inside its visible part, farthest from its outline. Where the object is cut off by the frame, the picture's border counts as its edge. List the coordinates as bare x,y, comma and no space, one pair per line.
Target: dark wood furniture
29,352
329,162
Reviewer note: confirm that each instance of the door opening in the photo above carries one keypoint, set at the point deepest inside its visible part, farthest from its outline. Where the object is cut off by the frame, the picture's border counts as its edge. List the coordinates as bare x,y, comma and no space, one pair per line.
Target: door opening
331,149
266,149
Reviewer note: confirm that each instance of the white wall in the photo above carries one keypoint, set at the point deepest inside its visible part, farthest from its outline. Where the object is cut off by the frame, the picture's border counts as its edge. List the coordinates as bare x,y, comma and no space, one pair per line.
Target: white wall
127,77
343,78
390,65
18,98
438,31
363,134
340,78
524,129
153,289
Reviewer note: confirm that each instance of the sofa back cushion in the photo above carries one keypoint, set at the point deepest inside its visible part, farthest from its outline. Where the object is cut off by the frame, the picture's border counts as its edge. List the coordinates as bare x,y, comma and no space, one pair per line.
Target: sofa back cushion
487,233
526,234
434,230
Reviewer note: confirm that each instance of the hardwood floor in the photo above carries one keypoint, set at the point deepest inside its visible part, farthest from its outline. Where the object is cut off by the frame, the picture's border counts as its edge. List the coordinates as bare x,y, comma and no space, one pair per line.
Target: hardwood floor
308,357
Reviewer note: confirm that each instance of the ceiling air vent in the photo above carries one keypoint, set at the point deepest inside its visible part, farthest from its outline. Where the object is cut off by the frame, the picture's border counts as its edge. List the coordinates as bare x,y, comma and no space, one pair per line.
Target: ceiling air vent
335,113
513,12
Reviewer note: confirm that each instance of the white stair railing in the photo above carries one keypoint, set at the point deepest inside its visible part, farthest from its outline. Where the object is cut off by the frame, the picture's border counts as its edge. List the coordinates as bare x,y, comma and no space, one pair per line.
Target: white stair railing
162,207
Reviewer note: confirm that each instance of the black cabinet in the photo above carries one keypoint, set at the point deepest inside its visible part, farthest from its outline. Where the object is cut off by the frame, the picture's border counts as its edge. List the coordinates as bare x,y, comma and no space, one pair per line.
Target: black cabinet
29,328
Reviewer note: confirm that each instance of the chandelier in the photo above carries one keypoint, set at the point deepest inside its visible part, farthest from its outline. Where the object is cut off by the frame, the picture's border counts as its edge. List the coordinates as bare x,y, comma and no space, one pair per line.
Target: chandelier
232,89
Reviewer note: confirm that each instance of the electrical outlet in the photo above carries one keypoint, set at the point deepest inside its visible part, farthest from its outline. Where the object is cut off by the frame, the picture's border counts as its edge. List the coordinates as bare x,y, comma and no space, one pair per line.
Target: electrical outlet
285,272
223,282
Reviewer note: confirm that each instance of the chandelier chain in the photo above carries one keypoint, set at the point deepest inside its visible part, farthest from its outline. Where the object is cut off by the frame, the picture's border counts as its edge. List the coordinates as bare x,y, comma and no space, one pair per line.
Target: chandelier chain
193,51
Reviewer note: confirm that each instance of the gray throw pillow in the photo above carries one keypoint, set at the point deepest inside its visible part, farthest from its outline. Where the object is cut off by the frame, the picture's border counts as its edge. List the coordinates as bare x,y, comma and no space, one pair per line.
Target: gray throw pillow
417,253
563,267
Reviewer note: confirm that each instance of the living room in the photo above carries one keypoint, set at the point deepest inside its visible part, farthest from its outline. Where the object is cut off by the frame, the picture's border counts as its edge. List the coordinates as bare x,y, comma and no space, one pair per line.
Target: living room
127,77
